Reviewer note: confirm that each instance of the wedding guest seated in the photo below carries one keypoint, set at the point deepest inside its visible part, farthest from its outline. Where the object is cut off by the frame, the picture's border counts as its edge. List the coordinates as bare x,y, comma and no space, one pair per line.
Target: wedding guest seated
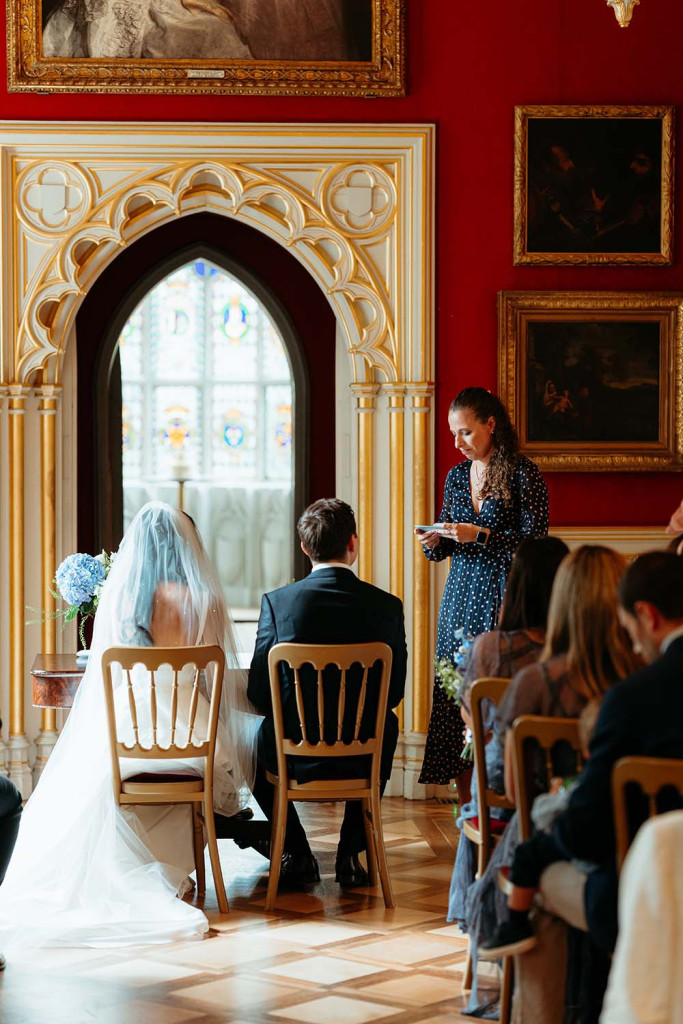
10,815
646,982
585,653
532,857
643,716
516,642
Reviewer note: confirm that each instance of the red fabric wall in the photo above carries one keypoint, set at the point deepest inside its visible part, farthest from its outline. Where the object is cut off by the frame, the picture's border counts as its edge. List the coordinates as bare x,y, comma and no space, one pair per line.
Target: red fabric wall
469,64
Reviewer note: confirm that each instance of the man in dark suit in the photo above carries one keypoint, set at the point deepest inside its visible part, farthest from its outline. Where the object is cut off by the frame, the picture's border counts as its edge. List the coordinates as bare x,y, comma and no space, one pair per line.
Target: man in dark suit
329,606
639,717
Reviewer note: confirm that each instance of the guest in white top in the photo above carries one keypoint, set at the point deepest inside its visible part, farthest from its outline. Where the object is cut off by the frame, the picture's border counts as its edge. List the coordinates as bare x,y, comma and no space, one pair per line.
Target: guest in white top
646,981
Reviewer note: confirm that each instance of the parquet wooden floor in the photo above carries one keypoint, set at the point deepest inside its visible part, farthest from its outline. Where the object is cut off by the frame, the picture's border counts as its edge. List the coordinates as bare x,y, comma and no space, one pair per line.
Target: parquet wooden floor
325,956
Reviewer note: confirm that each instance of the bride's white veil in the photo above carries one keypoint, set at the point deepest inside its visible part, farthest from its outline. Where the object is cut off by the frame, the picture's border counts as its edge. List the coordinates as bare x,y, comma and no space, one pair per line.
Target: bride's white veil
80,873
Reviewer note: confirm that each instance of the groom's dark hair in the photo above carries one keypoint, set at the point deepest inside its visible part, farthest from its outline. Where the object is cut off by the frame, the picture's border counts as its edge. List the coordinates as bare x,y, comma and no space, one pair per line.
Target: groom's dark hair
325,529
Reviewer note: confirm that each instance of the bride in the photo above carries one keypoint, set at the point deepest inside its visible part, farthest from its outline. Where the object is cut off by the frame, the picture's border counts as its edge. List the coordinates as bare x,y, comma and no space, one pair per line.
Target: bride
86,872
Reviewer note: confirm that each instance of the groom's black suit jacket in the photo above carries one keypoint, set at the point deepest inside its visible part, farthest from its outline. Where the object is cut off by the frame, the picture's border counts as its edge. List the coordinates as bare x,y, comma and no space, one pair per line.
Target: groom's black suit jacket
330,606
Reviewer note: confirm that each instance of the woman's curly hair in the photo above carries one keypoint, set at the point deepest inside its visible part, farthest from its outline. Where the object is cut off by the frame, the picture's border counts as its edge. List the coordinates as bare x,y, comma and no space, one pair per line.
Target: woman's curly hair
501,468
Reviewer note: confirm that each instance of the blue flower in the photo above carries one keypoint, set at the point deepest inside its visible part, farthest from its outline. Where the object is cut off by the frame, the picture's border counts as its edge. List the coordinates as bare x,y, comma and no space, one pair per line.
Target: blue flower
79,577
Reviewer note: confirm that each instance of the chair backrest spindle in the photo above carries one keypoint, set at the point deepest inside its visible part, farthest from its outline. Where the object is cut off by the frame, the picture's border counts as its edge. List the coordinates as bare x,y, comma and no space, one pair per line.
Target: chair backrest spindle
194,702
174,706
321,703
300,703
341,707
153,704
132,706
361,702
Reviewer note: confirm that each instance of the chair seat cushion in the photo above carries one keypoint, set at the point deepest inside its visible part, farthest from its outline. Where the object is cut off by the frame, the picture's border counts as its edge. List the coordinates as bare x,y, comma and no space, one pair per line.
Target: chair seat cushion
162,777
497,827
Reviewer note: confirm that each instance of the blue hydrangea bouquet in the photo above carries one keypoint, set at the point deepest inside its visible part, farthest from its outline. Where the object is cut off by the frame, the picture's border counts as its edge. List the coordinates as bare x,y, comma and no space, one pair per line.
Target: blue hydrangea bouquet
451,673
78,581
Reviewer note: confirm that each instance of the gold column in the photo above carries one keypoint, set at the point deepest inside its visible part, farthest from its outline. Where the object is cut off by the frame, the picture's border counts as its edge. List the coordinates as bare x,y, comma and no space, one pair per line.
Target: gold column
397,540
18,747
396,393
421,395
366,395
48,413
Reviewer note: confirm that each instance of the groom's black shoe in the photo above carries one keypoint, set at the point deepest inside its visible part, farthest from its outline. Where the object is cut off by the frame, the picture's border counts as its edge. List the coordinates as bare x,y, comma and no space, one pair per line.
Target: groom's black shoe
261,845
349,871
299,870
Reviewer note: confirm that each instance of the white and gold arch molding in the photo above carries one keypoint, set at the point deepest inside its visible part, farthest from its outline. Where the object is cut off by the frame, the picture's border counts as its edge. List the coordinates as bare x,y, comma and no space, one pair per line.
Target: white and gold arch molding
354,203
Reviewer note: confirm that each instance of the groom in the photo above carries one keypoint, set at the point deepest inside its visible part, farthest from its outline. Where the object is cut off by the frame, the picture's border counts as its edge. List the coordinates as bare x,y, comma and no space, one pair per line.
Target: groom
329,606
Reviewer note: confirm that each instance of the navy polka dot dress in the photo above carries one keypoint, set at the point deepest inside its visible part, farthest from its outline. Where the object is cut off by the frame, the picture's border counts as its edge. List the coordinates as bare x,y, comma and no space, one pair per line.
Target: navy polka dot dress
475,588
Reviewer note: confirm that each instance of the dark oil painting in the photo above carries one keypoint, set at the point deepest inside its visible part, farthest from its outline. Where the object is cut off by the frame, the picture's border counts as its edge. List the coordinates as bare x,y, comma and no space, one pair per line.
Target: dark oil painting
594,185
593,381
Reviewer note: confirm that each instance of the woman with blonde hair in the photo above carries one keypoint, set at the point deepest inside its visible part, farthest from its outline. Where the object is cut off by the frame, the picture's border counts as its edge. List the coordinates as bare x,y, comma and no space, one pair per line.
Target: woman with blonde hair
586,648
586,651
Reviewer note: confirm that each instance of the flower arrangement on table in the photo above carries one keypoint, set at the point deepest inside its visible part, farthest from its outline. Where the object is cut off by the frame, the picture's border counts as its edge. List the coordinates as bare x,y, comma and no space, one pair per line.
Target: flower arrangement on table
78,581
451,674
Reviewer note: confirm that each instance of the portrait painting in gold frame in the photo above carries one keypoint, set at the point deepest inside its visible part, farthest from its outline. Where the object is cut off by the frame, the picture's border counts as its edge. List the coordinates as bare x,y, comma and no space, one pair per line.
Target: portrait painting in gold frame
248,47
593,379
594,185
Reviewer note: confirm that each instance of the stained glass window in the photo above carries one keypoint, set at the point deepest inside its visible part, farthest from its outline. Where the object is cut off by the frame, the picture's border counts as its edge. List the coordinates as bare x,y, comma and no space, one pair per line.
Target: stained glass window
275,365
130,347
235,429
131,423
207,387
278,430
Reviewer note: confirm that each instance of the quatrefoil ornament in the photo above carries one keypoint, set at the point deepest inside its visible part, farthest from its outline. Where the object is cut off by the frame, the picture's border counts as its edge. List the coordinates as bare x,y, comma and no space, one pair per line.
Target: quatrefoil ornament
54,198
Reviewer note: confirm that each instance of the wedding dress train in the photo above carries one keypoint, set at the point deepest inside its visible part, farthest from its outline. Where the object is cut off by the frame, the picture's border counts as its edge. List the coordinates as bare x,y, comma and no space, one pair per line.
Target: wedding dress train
86,872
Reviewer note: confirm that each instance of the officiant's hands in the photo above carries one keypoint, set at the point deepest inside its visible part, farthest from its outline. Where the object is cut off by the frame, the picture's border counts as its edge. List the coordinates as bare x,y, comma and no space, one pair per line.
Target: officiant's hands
463,533
428,538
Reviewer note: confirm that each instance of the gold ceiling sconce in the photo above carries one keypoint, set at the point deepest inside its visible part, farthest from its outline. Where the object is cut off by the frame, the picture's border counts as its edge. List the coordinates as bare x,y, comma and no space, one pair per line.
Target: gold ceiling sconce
623,10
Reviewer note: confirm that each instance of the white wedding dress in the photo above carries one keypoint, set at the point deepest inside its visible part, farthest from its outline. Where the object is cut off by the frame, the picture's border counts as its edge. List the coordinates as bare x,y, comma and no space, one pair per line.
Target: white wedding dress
85,872
136,29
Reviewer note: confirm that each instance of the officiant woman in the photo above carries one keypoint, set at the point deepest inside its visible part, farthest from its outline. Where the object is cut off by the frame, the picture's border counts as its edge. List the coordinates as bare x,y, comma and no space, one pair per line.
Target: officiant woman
492,499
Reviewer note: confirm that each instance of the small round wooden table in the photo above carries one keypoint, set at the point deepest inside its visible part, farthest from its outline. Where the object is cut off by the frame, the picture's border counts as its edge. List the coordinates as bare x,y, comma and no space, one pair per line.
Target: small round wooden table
56,677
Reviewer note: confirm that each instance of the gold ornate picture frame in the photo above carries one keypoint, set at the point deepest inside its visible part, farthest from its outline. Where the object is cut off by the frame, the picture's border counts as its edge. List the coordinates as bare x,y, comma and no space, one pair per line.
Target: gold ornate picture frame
594,380
594,184
358,51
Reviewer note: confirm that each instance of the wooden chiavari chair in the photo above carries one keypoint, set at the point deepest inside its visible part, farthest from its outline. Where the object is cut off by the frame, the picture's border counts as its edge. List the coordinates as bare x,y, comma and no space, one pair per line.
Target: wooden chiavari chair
317,657
651,775
187,735
484,831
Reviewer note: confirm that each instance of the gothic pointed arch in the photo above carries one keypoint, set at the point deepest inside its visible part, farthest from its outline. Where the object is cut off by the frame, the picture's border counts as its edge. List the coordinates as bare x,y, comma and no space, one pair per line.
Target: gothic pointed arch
294,303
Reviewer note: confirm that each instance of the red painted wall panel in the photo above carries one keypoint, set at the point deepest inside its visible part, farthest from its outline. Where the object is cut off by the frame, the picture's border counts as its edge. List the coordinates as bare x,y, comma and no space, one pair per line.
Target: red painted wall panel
469,64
